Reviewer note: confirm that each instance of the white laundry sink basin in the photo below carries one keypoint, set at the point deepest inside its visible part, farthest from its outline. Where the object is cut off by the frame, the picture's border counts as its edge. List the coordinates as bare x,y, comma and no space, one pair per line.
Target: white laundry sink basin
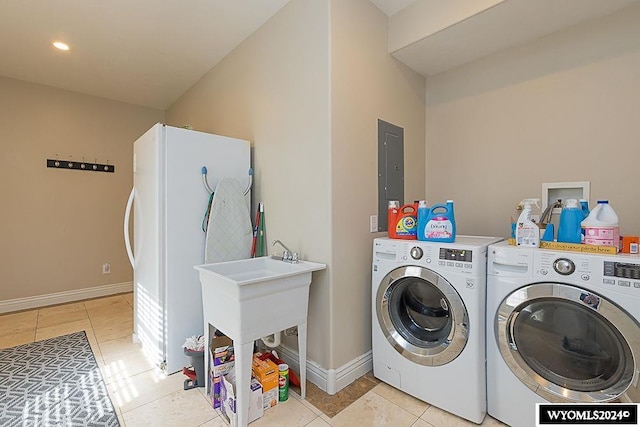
256,294
263,269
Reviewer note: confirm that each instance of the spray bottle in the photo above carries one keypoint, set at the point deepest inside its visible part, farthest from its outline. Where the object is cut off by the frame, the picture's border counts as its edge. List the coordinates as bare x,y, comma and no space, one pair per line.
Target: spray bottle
527,231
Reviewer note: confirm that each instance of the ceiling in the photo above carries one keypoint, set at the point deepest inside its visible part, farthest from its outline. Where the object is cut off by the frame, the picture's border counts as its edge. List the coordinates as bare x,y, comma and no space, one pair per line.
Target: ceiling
143,52
390,7
150,52
464,38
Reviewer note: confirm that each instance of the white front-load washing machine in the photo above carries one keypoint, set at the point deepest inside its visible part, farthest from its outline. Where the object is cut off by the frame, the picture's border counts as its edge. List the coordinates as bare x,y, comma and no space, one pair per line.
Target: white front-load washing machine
428,320
562,327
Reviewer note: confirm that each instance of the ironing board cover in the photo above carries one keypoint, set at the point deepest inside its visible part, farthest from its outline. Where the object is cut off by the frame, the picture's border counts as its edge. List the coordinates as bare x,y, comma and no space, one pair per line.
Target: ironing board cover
229,231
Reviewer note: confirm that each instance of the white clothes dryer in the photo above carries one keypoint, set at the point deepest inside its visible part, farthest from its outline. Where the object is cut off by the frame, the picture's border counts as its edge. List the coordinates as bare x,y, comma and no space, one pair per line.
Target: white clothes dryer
428,318
561,327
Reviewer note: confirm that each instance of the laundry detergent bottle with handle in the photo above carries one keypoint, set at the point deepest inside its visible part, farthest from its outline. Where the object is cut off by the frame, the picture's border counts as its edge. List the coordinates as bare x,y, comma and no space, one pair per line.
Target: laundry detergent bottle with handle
402,220
527,231
569,230
437,223
584,204
601,226
423,214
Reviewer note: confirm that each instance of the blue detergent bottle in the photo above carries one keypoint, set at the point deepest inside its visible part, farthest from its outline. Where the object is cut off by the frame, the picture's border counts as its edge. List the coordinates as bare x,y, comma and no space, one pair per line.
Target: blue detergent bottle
437,223
423,214
569,229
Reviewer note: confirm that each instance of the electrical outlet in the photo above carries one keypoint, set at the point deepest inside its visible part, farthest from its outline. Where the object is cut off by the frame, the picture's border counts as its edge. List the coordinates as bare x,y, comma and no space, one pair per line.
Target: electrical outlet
373,223
106,268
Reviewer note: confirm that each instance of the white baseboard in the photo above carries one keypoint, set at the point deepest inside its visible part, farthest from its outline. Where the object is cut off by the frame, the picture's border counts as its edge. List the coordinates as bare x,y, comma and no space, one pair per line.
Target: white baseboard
37,301
329,380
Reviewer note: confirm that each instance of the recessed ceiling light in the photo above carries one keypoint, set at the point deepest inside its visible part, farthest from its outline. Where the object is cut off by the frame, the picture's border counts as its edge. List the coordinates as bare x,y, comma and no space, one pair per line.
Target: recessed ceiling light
61,46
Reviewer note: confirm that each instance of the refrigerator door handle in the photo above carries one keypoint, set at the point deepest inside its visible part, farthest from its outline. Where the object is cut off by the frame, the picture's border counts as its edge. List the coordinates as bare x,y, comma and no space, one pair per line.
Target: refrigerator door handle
127,240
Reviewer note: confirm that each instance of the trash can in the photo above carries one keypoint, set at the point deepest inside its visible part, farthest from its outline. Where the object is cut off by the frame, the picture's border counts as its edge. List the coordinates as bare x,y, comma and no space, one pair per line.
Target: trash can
197,361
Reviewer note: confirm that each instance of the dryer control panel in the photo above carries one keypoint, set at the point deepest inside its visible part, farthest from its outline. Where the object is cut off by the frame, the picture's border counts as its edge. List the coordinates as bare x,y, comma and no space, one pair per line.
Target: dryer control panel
450,258
595,270
628,274
450,254
619,273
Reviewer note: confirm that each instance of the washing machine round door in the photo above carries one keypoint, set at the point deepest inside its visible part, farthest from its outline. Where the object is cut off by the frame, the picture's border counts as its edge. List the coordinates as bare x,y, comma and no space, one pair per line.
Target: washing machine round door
568,344
422,315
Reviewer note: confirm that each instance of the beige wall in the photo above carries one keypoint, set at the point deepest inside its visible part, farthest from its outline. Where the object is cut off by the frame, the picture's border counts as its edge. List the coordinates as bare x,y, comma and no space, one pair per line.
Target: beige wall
274,91
562,108
314,137
367,84
60,226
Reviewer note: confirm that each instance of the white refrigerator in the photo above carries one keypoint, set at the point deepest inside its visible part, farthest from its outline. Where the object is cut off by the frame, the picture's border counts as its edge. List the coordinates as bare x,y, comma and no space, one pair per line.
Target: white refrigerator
169,201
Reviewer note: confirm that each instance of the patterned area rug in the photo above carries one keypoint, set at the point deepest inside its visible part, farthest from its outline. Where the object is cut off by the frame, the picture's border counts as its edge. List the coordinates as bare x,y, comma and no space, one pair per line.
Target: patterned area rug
55,382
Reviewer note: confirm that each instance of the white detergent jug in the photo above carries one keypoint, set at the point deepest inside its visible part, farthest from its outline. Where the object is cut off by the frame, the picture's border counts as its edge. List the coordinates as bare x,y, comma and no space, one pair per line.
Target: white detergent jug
601,226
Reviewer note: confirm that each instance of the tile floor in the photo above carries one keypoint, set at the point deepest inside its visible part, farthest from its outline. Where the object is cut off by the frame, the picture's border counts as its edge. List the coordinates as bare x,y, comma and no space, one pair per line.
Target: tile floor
143,396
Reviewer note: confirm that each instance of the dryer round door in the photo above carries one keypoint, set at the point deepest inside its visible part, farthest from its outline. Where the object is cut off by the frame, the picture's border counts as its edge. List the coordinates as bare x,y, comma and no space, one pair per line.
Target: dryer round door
568,344
422,315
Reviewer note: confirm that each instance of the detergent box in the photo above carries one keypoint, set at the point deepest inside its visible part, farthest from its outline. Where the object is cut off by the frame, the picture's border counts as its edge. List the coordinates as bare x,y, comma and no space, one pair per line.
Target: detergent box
221,362
228,393
266,372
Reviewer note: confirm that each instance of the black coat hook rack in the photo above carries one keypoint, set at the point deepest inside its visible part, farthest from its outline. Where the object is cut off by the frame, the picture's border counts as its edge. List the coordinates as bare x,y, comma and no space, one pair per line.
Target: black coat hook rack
80,165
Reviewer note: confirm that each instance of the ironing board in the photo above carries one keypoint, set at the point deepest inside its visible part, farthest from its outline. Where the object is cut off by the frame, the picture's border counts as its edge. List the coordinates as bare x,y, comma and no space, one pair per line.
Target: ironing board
229,231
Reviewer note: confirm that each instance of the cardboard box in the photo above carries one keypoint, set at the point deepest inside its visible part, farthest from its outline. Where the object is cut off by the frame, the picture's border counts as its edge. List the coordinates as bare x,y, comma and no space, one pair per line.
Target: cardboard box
629,244
266,372
228,391
579,247
221,362
270,398
575,247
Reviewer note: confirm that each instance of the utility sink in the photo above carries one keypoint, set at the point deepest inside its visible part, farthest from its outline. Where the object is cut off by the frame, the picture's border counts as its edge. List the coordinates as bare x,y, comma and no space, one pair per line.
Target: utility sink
252,298
255,277
263,269
256,294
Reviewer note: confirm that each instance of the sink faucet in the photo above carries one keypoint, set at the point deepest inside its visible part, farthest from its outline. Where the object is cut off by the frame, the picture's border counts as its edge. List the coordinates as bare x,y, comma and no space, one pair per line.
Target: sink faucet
287,255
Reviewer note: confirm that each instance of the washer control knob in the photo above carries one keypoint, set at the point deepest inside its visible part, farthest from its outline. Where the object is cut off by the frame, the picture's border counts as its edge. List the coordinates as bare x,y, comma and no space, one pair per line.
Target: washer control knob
564,266
416,252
